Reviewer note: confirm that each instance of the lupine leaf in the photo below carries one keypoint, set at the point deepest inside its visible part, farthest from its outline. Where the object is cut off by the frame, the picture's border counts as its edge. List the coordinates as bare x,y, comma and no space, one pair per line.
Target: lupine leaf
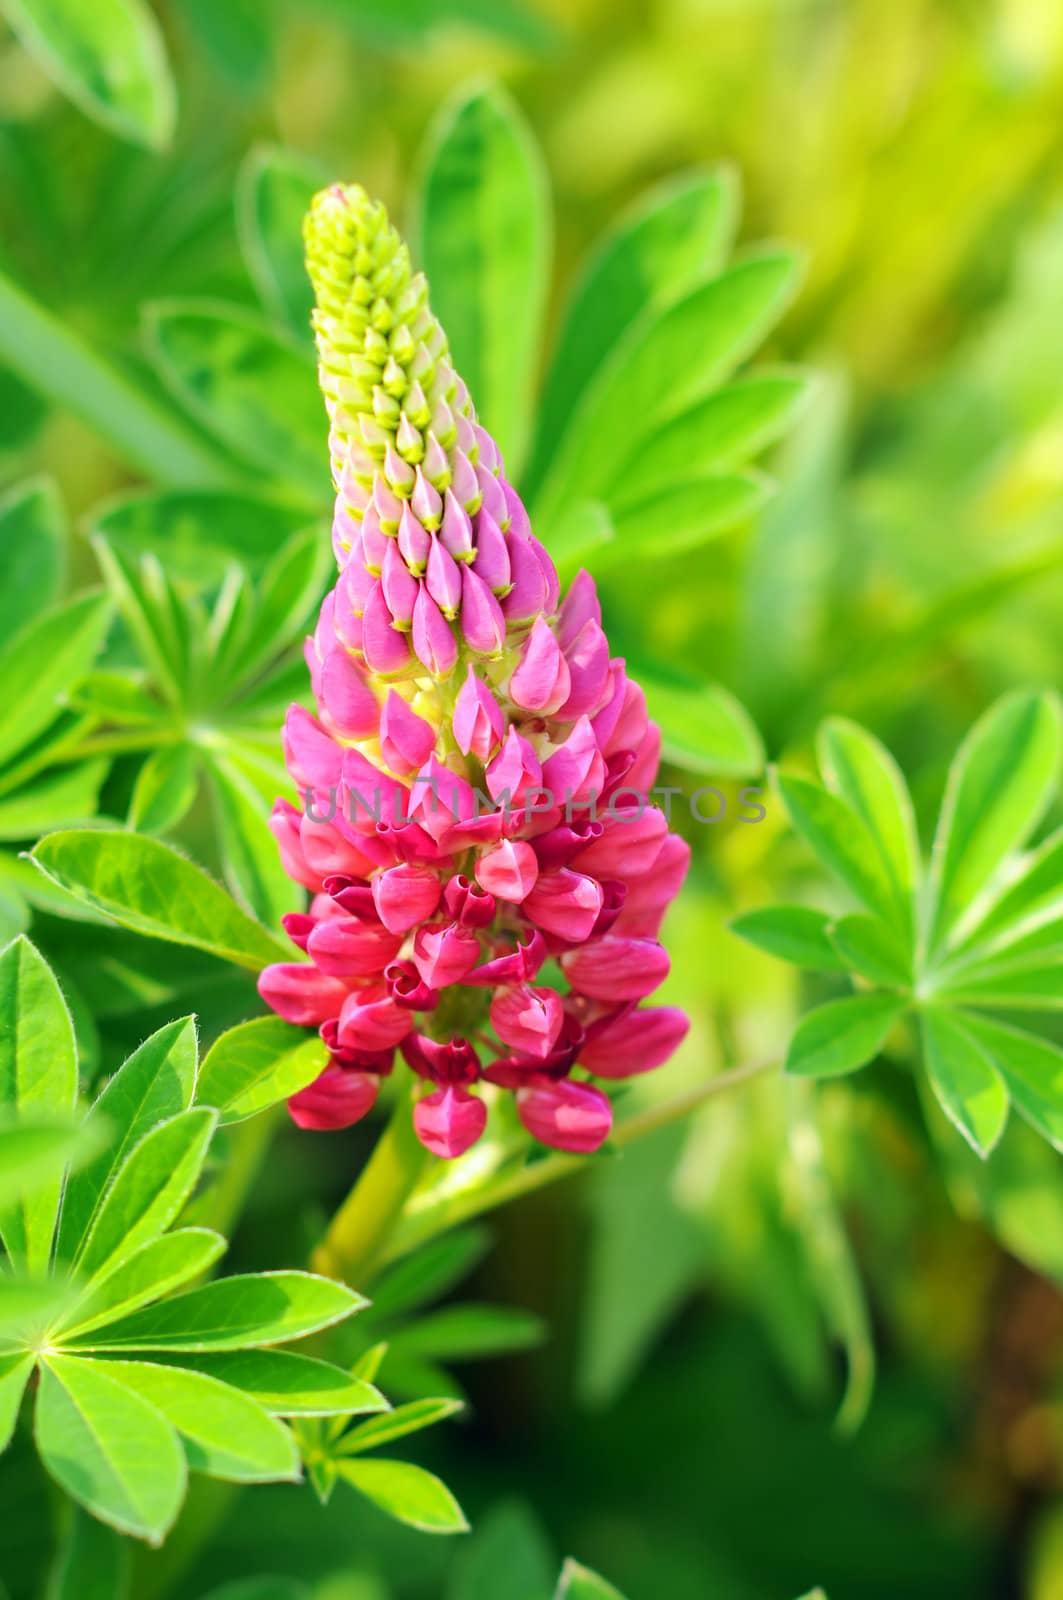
234,1313
92,1562
1029,981
663,364
793,933
873,949
26,1304
428,1273
257,1064
485,245
704,729
196,532
580,1583
999,785
288,594
407,1493
721,431
865,775
676,234
841,841
43,660
1032,1068
152,612
273,190
681,516
64,797
145,886
38,1074
109,1449
32,552
962,1075
842,1035
148,1191
14,1375
252,865
165,789
508,1554
152,1271
286,1384
32,1150
396,1424
226,1434
1035,893
248,386
465,1332
153,1084
108,57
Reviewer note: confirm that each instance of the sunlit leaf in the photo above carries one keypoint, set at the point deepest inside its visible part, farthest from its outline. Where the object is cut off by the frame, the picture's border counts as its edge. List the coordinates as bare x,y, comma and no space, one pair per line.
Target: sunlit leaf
964,1078
407,1493
273,193
793,933
257,1064
233,1314
842,1035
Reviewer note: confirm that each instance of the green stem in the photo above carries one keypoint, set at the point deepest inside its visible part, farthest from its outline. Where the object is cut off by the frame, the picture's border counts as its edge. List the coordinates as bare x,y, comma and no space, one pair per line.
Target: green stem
434,1216
361,1230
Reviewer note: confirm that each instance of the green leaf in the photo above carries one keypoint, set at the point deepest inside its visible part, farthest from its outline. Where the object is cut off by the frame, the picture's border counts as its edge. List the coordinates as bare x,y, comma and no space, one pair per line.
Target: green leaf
257,1064
286,1384
465,1332
32,551
152,1271
873,949
32,1151
508,1554
999,784
286,603
64,797
580,1583
27,1304
704,729
153,613
43,661
396,1424
273,193
38,1074
407,1493
226,1434
662,365
681,516
146,886
865,775
252,864
265,1588
427,1274
109,1449
962,1075
1035,892
840,840
14,1375
108,57
235,1313
117,697
1032,1068
246,385
673,236
197,533
485,225
92,1562
793,933
722,431
148,1191
165,789
55,363
152,1085
582,533
842,1035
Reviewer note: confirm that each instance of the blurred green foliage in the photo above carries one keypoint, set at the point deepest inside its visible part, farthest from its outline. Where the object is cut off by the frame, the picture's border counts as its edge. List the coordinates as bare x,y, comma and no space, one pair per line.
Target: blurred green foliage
676,1430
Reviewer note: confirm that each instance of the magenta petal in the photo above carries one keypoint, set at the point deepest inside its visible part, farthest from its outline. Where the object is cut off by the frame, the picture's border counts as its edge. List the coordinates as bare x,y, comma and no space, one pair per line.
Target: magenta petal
311,754
345,696
542,681
414,541
406,740
636,1041
445,954
529,1020
344,947
404,896
449,1121
482,622
301,994
566,1115
492,552
509,871
616,967
433,641
384,647
399,586
588,665
478,721
579,607
338,1098
443,577
564,903
528,596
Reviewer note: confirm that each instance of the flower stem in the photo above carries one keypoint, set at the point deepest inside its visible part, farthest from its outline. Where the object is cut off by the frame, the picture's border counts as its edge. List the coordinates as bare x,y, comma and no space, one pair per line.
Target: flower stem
435,1215
360,1231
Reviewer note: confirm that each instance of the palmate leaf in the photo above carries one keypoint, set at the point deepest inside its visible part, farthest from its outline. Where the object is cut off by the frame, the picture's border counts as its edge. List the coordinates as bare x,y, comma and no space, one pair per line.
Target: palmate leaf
964,1078
580,1583
33,1150
196,533
674,236
43,661
32,551
236,1313
703,729
796,934
484,230
396,1424
407,1493
38,1074
865,775
842,1035
273,191
287,1384
153,1270
108,57
92,1562
165,789
841,840
256,1065
145,886
154,614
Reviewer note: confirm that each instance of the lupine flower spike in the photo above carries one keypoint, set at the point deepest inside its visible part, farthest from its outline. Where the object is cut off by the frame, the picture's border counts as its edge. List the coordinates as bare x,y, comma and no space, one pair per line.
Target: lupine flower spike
487,876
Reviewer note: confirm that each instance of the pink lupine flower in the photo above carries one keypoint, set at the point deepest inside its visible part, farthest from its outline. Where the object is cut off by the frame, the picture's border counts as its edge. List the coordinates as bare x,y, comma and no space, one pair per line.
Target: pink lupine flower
475,785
